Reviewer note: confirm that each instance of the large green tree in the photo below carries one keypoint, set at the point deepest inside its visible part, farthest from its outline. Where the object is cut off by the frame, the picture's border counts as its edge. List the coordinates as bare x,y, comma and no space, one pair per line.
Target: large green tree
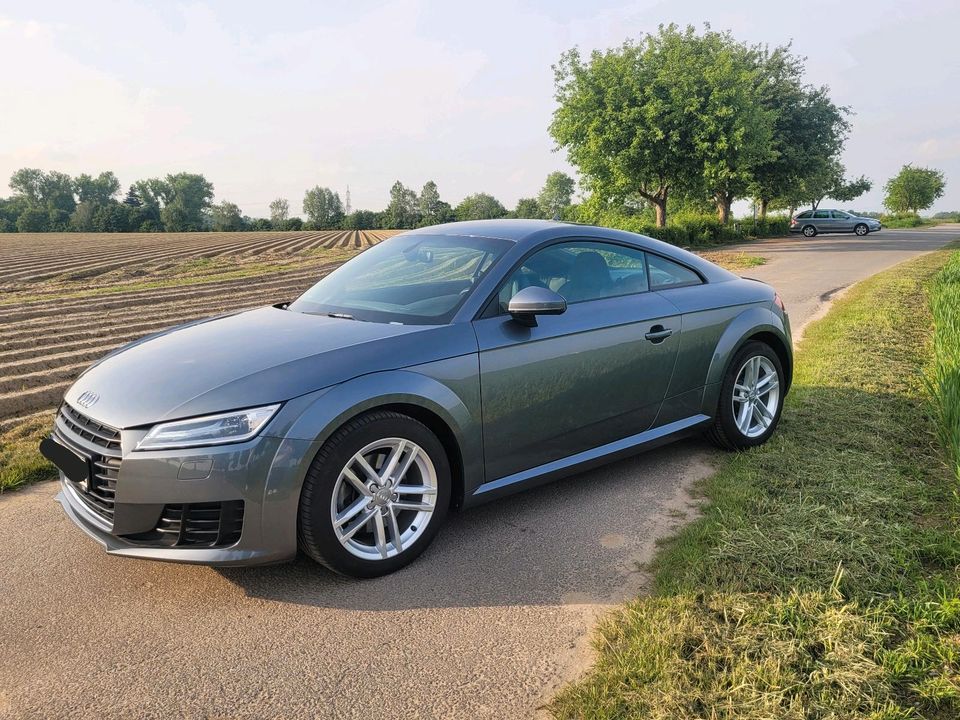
913,189
480,206
675,110
528,208
404,208
323,208
187,198
279,212
808,135
432,209
50,190
98,190
556,194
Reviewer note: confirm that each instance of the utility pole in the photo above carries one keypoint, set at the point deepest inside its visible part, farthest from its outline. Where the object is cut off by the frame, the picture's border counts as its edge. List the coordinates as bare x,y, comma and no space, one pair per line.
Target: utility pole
346,202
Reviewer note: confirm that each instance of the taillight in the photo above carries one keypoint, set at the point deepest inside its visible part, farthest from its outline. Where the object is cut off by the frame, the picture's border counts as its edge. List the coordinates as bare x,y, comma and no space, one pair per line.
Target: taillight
793,221
778,301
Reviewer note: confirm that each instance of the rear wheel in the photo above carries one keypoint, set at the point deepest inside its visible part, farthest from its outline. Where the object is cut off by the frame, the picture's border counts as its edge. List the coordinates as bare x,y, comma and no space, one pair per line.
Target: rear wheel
861,229
751,399
375,495
809,230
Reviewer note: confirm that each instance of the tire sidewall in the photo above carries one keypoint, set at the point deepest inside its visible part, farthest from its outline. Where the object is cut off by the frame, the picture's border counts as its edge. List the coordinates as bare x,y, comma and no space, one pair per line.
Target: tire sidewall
725,406
812,233
865,232
323,474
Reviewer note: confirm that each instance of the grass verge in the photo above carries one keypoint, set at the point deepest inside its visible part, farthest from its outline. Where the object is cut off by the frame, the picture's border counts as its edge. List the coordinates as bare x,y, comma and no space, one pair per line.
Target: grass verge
821,581
20,461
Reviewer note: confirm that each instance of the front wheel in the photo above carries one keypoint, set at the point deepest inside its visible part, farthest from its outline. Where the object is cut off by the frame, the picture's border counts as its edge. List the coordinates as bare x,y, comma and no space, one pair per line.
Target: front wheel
375,495
861,229
751,399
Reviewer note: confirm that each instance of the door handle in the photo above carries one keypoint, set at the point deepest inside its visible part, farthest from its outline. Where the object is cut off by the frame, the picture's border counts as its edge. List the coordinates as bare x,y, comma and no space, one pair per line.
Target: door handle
658,333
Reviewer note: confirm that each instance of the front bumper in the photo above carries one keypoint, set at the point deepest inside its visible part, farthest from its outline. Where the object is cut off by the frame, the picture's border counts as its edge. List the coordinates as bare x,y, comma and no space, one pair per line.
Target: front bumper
263,474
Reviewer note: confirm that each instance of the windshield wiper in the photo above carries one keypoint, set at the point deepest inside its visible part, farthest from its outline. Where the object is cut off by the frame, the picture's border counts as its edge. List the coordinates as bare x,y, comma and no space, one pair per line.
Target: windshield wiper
342,316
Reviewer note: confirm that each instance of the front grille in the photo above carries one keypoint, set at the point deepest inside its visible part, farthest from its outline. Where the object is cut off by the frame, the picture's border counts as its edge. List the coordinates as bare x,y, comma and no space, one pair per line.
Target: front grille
89,429
80,432
211,524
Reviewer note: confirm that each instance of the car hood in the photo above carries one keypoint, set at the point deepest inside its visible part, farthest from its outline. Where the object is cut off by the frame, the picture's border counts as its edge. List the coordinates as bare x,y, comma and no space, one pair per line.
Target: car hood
252,358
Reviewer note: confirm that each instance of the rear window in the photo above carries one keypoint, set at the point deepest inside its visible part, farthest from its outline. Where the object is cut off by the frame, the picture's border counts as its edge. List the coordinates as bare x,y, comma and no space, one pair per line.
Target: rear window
666,273
806,214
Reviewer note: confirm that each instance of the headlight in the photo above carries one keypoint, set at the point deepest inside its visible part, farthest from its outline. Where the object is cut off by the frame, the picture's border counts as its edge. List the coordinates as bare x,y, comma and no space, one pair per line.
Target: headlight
209,430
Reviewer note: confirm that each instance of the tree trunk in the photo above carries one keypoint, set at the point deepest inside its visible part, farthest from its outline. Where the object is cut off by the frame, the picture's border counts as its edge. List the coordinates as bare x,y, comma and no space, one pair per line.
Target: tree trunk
763,208
815,204
724,201
660,207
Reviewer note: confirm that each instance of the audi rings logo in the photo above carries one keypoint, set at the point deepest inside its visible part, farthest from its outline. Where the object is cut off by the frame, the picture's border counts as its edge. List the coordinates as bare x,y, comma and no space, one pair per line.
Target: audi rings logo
87,399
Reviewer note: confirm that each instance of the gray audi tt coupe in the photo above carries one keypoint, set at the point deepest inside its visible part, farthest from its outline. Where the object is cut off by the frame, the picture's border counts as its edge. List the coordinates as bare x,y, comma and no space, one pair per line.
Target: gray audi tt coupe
441,368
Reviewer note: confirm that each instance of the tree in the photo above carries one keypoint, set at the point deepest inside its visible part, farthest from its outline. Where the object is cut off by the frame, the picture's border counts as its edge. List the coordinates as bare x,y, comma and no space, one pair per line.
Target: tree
431,208
528,208
187,197
33,219
99,190
824,179
361,220
674,110
279,211
556,194
52,190
403,210
480,206
132,199
226,217
913,189
27,183
809,131
323,208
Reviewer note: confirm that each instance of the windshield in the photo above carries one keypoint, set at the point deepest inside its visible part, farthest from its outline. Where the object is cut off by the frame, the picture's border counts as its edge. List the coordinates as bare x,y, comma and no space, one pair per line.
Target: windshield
411,279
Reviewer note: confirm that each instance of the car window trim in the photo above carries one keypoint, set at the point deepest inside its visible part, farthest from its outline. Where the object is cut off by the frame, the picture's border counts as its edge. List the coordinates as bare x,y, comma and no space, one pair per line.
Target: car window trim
483,313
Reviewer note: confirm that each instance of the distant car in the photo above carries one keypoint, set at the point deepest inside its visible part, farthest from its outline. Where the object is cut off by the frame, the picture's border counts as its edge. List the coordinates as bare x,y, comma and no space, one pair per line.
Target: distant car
444,367
814,222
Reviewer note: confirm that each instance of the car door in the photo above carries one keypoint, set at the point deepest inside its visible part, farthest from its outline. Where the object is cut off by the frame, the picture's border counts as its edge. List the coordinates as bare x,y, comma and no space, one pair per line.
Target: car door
842,222
595,374
822,221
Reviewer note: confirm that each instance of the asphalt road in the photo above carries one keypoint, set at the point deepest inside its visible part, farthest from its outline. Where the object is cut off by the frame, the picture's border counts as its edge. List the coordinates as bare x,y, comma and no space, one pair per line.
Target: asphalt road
486,624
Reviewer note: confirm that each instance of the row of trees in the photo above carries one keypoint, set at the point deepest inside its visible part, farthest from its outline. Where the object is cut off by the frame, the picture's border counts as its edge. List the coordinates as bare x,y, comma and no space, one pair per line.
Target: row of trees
700,117
183,202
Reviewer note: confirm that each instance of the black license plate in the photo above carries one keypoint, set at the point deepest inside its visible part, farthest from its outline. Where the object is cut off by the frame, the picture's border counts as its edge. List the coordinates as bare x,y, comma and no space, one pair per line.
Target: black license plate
74,466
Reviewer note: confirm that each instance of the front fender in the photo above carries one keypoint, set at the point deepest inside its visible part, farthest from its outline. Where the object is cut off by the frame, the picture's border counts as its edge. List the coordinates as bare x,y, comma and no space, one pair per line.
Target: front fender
752,321
448,388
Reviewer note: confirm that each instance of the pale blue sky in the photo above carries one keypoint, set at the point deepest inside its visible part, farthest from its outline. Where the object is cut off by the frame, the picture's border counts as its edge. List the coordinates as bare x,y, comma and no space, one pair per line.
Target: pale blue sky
267,99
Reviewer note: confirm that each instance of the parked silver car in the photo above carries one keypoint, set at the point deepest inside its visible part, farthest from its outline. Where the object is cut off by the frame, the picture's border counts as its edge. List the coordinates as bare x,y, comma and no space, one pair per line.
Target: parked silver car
813,222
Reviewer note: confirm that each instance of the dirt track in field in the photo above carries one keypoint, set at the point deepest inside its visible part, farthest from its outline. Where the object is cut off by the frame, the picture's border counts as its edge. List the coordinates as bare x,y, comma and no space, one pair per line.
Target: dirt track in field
69,298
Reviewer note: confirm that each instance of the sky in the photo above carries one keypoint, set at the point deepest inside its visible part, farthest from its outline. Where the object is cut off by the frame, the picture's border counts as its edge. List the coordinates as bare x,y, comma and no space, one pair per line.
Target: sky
269,99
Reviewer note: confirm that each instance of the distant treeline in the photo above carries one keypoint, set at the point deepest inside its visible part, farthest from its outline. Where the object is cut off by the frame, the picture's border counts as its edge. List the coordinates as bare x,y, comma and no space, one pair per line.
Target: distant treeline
55,202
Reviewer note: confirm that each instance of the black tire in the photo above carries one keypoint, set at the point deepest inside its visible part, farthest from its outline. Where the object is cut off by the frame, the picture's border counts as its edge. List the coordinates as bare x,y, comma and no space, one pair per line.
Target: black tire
316,534
861,229
724,431
809,231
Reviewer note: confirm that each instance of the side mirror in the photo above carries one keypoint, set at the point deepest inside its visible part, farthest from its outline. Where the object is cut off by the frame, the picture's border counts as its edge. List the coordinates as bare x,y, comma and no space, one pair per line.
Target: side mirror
533,301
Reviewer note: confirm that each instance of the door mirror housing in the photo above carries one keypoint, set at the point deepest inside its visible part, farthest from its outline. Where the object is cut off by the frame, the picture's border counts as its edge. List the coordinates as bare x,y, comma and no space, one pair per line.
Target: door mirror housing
532,301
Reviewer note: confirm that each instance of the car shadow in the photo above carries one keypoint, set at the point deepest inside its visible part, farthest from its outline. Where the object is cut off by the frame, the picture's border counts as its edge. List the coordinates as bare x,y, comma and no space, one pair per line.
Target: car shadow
577,540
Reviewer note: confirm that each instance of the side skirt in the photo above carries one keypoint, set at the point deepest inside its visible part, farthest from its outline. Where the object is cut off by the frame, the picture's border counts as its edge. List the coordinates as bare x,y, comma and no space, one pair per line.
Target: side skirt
585,460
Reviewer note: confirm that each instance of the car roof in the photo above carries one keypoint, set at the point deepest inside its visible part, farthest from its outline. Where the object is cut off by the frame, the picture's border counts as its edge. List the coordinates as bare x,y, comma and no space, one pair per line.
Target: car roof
509,229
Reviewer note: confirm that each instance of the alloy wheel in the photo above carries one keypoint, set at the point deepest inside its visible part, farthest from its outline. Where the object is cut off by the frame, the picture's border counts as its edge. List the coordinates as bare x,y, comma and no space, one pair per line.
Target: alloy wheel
384,498
756,396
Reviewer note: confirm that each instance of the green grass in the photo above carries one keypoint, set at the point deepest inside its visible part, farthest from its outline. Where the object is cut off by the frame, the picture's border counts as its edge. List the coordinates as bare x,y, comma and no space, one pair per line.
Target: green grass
907,220
821,581
944,373
734,260
20,461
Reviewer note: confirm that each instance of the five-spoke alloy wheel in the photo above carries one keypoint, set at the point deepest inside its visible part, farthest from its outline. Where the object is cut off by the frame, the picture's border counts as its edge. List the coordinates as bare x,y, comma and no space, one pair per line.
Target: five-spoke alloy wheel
375,496
751,398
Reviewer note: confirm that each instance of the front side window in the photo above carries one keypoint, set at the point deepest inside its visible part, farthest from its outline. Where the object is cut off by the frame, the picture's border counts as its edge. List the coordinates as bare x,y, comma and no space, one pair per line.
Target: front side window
580,271
822,214
666,273
412,279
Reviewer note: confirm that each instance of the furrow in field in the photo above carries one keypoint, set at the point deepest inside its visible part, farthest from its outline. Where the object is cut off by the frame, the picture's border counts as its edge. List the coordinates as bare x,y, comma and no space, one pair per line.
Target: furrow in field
32,399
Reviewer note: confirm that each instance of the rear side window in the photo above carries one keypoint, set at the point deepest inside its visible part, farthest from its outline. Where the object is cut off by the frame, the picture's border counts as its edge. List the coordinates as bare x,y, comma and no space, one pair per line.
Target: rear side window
822,214
666,273
808,213
840,215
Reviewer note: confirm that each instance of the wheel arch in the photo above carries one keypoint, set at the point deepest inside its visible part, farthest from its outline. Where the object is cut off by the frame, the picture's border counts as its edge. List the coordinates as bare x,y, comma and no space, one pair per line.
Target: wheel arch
780,348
